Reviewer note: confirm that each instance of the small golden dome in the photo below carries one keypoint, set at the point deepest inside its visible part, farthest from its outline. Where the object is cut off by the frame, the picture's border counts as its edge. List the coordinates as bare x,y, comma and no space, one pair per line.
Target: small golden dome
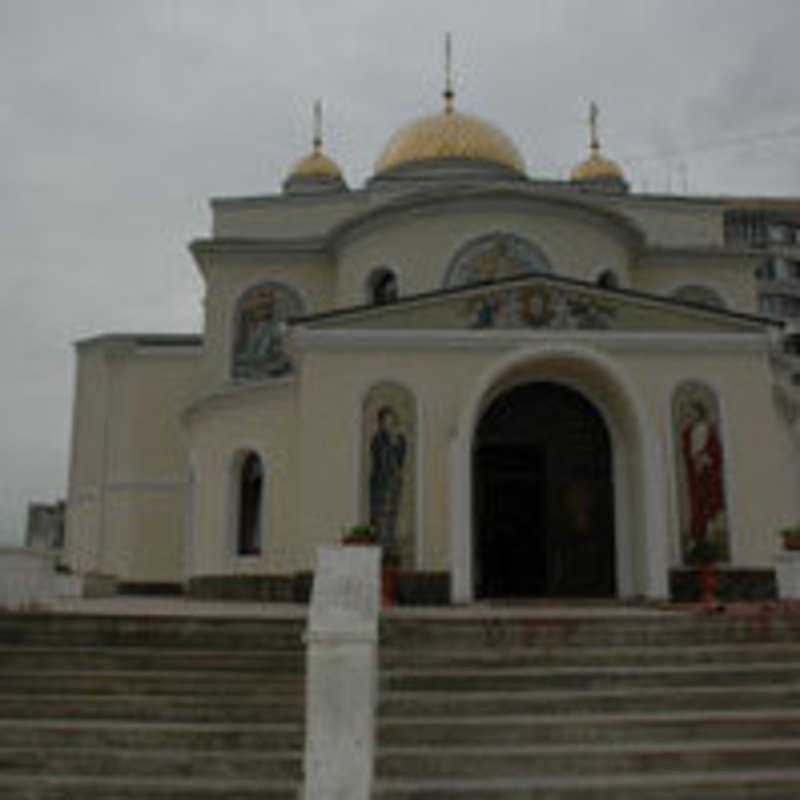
450,135
316,172
600,172
316,165
597,168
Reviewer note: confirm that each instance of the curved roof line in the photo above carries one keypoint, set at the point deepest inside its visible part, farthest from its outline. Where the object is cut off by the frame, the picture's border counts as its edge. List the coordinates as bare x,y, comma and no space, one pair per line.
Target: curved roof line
425,198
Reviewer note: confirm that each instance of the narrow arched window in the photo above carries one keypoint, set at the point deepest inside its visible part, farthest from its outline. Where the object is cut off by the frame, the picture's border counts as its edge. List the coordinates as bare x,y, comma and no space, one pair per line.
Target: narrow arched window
382,286
251,491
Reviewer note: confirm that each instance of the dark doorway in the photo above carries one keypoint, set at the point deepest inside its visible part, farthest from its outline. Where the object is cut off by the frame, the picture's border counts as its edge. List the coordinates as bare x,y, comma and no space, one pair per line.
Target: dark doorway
543,496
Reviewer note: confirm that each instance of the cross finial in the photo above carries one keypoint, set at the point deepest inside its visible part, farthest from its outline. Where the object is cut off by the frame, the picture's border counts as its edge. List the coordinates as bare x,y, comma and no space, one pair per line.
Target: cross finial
317,140
448,94
594,141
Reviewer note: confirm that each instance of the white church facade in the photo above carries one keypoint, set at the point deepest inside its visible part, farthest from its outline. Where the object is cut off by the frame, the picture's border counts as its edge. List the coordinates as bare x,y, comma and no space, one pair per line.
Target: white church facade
528,388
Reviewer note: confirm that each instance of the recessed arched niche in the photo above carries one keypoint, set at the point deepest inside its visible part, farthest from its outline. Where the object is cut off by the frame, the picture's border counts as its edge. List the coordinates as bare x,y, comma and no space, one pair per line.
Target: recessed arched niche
259,328
495,256
388,468
699,467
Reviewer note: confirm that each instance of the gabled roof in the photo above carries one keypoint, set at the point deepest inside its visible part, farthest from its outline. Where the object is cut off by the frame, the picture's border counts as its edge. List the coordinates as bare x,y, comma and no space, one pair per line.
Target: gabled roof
539,302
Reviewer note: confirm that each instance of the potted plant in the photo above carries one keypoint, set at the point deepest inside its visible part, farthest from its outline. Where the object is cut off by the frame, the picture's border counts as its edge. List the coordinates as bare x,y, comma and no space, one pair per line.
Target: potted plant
791,538
704,555
360,534
390,568
787,564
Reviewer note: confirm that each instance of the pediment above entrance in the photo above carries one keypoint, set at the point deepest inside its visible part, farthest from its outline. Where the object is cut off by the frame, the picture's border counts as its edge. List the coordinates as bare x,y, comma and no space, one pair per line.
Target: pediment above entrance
538,303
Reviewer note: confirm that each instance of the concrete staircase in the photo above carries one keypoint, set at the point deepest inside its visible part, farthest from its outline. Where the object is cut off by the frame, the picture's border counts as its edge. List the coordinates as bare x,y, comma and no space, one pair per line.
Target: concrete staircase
616,706
185,708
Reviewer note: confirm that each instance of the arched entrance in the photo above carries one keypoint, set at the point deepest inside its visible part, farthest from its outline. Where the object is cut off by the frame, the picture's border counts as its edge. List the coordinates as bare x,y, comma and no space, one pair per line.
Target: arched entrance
543,498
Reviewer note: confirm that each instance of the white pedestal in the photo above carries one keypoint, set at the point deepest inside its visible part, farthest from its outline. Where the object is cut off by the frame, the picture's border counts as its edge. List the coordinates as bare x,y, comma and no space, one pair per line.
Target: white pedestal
787,574
341,678
26,578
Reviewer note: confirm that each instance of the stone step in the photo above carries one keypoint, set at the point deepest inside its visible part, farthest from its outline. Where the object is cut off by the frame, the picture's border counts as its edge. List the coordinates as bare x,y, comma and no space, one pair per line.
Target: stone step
66,787
592,677
463,762
730,785
700,698
785,652
771,723
196,633
63,683
652,629
22,658
220,737
156,708
86,762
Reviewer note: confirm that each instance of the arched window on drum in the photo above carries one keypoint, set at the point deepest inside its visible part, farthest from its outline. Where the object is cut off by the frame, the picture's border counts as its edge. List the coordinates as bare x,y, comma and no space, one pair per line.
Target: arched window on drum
608,279
382,287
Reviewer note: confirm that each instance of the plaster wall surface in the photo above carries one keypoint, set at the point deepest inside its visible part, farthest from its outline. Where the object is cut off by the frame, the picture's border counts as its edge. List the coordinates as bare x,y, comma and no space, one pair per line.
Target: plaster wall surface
420,246
129,473
756,441
732,278
230,274
87,458
674,221
283,216
260,419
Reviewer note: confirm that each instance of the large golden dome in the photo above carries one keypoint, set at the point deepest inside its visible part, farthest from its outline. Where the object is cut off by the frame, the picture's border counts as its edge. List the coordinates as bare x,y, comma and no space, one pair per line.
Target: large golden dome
449,135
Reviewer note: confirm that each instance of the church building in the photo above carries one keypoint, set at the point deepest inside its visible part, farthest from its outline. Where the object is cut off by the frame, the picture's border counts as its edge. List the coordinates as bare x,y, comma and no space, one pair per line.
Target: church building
527,387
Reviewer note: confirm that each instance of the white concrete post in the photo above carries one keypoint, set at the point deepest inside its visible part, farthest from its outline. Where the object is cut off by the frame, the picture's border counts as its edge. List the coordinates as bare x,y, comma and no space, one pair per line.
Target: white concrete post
27,578
787,575
341,678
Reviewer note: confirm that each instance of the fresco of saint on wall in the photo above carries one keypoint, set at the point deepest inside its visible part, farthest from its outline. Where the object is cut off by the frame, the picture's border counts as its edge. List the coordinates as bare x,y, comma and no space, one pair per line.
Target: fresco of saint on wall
388,457
499,255
701,483
259,334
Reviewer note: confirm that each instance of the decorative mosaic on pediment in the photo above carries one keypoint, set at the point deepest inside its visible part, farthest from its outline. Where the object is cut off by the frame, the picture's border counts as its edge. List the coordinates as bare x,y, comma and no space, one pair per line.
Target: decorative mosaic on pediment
540,302
537,307
498,255
260,331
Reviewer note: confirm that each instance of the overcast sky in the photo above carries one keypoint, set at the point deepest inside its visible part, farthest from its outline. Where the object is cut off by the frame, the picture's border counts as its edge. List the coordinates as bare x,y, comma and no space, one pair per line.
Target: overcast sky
119,119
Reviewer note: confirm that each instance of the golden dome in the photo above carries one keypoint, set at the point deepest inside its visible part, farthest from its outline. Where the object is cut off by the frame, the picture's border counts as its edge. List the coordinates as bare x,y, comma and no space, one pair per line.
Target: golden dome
597,168
602,173
316,165
316,172
449,135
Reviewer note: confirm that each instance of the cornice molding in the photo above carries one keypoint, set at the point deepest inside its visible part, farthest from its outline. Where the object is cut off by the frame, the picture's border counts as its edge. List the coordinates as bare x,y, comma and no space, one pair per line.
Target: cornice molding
306,339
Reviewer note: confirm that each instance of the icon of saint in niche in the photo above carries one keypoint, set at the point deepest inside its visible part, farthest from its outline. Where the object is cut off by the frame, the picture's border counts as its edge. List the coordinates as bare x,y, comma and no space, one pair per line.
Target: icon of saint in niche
388,454
702,454
259,346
